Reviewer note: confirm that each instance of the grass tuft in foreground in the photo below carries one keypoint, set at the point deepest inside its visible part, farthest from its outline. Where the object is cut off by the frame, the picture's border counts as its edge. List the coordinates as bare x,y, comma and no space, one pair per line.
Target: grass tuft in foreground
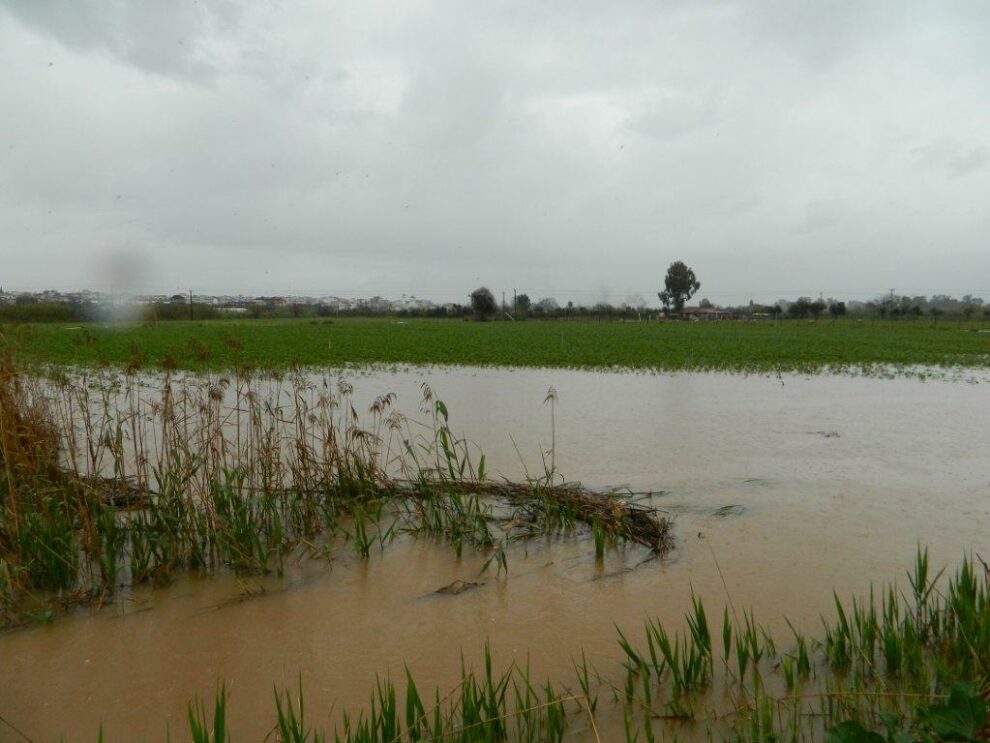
676,687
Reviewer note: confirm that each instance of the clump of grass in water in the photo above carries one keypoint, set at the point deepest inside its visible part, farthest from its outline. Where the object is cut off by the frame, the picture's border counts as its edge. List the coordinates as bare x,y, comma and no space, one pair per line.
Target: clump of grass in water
674,677
92,484
107,484
486,707
208,730
452,499
862,676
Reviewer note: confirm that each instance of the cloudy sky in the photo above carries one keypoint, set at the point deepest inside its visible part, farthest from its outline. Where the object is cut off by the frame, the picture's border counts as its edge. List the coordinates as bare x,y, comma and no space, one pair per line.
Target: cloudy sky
571,149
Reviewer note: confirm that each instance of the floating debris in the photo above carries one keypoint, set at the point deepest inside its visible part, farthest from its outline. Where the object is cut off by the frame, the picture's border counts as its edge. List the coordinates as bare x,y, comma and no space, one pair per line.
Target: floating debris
458,587
733,509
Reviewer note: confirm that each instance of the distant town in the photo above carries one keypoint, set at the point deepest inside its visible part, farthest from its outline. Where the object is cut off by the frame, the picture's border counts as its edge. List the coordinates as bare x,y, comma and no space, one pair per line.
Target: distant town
86,304
231,302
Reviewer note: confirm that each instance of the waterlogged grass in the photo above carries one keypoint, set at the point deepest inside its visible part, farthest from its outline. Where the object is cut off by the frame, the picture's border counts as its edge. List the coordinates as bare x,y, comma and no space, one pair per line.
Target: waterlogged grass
763,346
899,669
106,483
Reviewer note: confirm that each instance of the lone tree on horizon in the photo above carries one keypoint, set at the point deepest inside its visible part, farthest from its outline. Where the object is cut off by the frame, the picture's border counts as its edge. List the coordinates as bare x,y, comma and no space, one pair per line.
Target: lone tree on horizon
483,303
679,286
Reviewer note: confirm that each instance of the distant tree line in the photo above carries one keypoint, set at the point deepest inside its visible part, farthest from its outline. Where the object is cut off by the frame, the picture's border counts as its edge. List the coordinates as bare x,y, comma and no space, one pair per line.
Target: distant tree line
482,305
22,311
26,311
887,307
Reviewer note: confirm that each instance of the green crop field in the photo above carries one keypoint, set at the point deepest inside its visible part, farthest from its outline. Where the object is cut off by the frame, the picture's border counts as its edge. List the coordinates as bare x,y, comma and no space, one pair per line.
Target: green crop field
731,345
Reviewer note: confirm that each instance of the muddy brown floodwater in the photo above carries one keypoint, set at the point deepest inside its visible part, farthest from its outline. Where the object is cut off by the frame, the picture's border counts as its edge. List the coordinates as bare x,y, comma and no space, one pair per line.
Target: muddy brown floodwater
792,487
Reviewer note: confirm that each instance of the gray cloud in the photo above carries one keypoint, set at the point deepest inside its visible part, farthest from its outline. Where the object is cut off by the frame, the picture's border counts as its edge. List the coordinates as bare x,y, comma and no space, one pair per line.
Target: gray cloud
560,148
952,158
164,38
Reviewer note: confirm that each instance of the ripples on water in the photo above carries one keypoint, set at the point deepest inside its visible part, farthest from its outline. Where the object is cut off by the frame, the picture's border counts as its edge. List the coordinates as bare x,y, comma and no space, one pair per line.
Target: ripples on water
783,488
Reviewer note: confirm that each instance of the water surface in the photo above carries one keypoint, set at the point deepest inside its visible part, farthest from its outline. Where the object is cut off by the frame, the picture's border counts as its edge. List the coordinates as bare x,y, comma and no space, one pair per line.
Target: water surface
783,489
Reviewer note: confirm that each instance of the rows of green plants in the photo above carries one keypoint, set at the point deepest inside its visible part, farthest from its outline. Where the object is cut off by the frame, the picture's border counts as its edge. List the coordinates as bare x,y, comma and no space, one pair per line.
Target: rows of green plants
760,346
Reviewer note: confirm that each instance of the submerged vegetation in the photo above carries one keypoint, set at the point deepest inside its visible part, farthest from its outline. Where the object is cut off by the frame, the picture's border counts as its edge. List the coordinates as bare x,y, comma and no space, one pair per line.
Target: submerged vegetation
108,480
106,483
898,668
749,346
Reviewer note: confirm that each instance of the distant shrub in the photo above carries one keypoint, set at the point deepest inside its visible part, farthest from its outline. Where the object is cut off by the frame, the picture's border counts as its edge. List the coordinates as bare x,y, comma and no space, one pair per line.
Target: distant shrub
45,312
181,312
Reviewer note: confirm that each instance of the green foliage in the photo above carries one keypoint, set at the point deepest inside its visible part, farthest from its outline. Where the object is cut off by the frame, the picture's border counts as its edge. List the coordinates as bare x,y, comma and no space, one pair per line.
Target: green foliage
851,731
215,495
670,684
662,684
292,718
716,346
837,309
679,285
962,717
203,729
45,312
483,303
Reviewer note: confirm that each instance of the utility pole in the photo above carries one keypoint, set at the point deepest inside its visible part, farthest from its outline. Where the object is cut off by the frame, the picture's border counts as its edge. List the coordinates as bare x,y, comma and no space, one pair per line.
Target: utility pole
190,305
515,302
503,301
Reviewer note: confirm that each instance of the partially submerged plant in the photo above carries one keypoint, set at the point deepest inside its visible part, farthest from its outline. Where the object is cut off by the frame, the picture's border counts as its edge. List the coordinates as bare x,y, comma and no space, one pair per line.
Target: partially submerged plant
110,480
671,690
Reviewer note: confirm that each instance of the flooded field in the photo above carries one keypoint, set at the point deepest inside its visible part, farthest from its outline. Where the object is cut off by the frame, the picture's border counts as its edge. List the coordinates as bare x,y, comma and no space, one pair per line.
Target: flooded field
782,490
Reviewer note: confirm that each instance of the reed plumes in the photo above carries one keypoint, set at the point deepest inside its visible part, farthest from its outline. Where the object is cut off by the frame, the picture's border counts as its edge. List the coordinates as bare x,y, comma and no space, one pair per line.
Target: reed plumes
113,480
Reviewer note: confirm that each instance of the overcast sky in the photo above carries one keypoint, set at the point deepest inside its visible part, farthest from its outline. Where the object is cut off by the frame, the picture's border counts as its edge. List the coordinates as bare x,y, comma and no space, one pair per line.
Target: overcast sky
571,149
